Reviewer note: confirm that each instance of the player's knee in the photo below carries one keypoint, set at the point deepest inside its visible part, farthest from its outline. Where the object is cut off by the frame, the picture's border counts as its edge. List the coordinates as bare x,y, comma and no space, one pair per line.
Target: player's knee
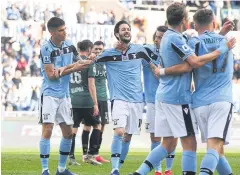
87,128
216,144
47,131
119,131
189,143
169,143
127,137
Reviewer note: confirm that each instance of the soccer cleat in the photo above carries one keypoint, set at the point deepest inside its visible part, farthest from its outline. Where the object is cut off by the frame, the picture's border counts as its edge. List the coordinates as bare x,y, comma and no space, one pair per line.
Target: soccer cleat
115,172
168,172
65,172
73,162
45,172
101,159
91,160
157,173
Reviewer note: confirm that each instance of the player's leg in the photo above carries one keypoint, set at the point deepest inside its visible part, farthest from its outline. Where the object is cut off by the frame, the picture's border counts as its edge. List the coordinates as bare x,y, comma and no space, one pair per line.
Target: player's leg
77,118
125,148
186,129
134,122
64,119
103,110
48,108
162,129
94,138
120,114
223,167
156,141
150,128
219,121
85,139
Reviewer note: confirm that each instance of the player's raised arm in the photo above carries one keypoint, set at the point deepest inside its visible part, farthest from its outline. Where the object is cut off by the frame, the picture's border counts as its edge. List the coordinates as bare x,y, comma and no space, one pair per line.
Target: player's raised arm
198,61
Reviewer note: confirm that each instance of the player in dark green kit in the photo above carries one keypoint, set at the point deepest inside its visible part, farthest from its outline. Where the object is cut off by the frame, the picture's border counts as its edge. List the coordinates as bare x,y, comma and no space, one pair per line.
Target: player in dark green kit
100,81
85,106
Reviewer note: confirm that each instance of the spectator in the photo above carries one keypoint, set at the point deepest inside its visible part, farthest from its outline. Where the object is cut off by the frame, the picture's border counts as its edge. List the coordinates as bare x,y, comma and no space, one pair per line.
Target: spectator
22,65
34,98
35,66
13,97
236,74
17,79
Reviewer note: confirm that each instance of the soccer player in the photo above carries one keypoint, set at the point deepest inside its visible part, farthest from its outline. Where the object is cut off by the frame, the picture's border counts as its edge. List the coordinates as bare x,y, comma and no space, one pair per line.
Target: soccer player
150,87
85,106
212,98
124,81
101,86
100,83
174,118
56,63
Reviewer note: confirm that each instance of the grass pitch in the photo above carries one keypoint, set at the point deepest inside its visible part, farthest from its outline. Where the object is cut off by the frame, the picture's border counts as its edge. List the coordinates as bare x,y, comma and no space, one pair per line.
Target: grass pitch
23,162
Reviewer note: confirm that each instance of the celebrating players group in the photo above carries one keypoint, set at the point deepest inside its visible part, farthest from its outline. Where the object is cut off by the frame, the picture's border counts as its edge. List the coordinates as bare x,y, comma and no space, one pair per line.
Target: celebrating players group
187,85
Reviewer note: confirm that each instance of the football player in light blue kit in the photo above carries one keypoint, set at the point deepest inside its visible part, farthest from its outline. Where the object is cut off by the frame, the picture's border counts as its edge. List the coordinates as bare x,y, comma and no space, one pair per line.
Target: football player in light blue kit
124,80
212,98
174,118
151,83
56,59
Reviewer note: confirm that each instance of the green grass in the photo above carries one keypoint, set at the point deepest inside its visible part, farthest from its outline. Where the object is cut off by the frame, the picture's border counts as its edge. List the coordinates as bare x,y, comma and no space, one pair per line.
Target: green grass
28,163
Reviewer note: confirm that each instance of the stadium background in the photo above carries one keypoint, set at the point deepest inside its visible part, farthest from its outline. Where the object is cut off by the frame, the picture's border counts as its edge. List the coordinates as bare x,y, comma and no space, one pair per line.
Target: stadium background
23,29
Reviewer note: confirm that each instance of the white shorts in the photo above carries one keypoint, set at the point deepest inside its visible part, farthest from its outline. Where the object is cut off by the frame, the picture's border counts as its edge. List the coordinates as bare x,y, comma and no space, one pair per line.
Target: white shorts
214,120
55,110
174,120
127,115
150,118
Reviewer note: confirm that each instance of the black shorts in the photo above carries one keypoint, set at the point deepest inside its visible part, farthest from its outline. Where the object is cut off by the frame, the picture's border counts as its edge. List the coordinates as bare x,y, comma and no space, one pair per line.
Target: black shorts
103,112
86,114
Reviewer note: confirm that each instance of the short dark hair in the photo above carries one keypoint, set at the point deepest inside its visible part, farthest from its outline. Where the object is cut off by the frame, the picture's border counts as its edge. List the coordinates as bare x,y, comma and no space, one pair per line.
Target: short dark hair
160,29
175,13
84,45
54,23
203,16
116,28
99,43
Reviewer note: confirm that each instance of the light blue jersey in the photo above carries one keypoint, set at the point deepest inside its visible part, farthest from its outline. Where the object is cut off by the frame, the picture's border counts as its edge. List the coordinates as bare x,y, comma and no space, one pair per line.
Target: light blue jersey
150,81
174,50
124,72
59,56
213,81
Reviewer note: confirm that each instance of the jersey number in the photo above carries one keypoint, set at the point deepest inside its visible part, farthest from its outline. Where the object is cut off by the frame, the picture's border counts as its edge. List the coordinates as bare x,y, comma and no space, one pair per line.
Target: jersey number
76,78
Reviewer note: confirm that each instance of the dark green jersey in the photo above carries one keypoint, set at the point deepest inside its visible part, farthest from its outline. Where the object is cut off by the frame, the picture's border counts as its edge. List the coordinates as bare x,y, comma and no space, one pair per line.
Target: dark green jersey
79,92
100,82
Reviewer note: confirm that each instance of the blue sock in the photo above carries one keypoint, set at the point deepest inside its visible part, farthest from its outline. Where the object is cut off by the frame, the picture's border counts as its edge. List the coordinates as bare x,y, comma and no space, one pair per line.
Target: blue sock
158,167
116,151
209,162
189,162
44,152
223,167
153,159
125,148
169,160
64,150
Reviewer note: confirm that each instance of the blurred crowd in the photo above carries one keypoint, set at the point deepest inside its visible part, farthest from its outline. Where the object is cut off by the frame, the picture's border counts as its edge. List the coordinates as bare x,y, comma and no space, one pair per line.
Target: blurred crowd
20,54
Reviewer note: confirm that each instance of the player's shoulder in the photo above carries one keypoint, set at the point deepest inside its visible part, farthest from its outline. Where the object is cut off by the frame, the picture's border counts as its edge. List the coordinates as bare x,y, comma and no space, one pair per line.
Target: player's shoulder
46,47
68,43
150,46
